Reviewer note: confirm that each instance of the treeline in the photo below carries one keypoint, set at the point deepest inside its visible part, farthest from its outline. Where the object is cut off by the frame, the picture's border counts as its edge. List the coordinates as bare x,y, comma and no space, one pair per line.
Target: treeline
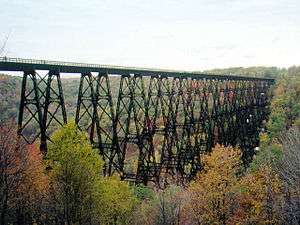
67,186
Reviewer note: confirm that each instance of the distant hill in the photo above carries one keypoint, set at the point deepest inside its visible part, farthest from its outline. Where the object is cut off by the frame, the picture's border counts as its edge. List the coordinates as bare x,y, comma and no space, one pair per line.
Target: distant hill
10,90
268,72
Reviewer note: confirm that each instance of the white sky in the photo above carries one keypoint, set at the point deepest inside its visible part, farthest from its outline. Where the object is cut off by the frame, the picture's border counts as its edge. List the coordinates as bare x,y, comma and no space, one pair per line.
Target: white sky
187,35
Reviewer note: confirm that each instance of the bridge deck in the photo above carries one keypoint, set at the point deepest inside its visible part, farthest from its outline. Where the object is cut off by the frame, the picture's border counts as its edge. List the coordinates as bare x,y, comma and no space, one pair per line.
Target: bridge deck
19,64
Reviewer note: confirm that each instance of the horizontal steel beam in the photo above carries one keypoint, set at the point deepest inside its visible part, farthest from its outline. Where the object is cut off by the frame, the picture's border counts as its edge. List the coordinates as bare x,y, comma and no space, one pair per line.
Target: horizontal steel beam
19,64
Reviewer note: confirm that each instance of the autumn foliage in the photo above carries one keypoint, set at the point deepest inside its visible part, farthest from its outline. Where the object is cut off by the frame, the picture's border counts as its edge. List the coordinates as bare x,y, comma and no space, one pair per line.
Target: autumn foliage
223,193
73,190
80,193
259,198
23,182
211,194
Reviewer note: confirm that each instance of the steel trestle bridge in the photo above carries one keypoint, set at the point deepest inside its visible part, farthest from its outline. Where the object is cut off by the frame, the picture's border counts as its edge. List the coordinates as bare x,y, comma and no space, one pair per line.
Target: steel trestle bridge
156,125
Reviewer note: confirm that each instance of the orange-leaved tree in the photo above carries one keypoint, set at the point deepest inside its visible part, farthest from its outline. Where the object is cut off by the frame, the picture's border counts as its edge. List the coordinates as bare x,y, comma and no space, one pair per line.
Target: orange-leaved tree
35,185
23,182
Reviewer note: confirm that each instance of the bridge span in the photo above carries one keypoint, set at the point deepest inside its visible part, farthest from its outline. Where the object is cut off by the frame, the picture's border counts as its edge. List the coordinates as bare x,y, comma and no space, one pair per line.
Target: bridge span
156,125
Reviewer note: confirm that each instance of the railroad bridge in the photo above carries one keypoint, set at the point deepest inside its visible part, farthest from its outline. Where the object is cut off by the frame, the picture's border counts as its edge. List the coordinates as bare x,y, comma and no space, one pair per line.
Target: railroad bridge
155,125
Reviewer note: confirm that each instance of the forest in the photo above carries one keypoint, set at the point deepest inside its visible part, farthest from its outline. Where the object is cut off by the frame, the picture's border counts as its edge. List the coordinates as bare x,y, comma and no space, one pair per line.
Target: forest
67,186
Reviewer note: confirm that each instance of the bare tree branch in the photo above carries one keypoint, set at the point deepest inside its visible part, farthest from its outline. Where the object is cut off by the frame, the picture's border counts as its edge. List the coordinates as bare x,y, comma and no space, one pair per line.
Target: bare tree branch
289,170
3,46
289,166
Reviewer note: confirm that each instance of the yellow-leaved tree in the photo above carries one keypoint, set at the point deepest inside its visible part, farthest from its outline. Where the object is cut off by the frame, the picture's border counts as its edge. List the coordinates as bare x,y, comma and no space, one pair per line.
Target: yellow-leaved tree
222,194
260,198
210,198
80,193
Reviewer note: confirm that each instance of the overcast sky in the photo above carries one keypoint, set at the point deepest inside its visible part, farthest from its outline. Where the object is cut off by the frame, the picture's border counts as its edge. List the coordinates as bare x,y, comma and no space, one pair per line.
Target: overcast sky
187,34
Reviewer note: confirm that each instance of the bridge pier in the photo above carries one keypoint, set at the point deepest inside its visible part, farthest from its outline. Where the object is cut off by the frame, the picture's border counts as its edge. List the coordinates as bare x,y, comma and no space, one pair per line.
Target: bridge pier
39,106
30,104
54,101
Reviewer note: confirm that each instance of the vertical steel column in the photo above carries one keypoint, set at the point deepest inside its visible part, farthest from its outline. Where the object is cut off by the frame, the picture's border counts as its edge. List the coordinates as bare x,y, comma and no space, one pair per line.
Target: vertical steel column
30,103
165,129
205,142
196,136
153,114
147,168
171,139
179,121
105,127
122,123
86,112
54,100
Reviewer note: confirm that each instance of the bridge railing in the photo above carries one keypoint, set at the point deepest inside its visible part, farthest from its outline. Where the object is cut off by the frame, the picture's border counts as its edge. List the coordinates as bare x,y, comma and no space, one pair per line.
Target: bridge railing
20,64
74,64
51,62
